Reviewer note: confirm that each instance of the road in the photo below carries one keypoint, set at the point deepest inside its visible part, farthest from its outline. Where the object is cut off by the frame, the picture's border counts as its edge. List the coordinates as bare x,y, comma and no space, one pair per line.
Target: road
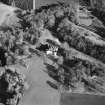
82,99
39,93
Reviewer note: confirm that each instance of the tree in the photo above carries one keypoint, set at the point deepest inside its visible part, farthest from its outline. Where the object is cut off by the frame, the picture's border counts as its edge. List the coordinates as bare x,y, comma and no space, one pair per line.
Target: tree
5,1
12,86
